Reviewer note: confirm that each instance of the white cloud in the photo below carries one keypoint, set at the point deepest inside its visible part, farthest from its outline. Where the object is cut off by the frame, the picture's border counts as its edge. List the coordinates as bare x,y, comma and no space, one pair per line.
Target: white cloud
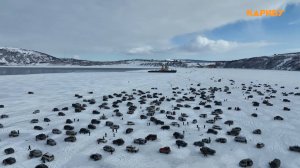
201,43
141,50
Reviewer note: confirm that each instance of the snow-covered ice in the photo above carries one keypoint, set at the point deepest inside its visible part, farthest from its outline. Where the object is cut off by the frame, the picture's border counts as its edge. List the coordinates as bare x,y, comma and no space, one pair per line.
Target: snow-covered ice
57,90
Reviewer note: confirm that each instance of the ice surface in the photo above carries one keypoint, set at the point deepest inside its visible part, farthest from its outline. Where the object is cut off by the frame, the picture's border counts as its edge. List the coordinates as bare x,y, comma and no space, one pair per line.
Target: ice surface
57,90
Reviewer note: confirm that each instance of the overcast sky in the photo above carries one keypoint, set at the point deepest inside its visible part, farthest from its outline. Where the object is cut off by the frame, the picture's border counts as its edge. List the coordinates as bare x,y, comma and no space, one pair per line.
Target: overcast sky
151,29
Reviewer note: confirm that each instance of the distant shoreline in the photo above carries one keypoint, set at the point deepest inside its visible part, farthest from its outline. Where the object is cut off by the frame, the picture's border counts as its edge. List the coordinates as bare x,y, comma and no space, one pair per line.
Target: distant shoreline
24,70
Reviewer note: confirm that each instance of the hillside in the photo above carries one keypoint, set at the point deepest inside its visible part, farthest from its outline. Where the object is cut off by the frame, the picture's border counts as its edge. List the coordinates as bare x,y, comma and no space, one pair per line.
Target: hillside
21,57
289,61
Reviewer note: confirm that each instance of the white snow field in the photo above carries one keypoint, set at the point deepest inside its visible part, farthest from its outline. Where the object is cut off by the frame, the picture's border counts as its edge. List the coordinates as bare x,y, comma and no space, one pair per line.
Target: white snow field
58,90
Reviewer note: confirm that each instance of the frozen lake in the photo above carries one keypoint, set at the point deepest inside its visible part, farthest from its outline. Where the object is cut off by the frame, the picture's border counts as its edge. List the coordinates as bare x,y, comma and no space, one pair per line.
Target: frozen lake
41,70
57,90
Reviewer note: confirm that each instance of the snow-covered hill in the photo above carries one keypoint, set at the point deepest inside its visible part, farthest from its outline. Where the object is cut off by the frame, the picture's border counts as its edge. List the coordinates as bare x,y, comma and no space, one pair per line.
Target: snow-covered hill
289,61
15,56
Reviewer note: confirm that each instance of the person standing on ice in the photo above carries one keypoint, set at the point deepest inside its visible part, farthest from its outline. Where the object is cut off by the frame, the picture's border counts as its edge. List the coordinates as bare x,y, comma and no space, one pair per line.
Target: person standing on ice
29,147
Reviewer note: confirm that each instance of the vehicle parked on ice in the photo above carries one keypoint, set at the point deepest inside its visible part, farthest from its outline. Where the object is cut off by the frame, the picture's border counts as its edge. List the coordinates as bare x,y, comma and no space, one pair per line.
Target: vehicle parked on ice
47,120
96,156
42,165
8,151
109,123
246,163
129,130
33,121
181,143
178,135
51,142
41,137
294,148
234,132
151,137
165,150
35,153
257,131
13,133
37,127
132,149
71,133
260,145
240,139
198,143
47,157
118,142
95,121
9,161
221,140
69,121
56,131
70,139
254,115
278,118
68,127
36,112
108,148
91,126
207,151
101,140
276,163
175,124
84,131
130,123
212,131
140,141
165,127
228,122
